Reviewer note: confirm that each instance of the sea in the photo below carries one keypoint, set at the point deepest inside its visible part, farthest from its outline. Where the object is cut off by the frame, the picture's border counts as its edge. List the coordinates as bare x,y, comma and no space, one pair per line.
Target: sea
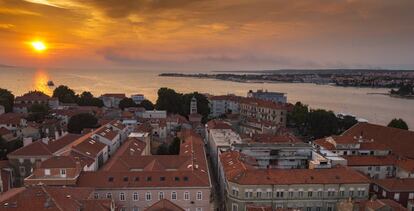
371,104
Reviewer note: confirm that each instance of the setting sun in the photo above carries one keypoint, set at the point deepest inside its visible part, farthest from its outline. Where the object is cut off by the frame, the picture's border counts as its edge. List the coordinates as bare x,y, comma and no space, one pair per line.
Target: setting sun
38,46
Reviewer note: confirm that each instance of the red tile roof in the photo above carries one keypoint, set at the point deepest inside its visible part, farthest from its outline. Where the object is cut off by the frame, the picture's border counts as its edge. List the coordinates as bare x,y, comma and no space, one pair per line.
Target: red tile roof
33,96
380,204
11,118
406,164
37,148
164,205
46,198
89,147
217,124
59,162
107,133
396,184
114,95
189,168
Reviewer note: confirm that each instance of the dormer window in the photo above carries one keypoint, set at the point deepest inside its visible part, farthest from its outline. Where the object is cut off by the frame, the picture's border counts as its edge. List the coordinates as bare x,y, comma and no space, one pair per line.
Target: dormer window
63,172
47,172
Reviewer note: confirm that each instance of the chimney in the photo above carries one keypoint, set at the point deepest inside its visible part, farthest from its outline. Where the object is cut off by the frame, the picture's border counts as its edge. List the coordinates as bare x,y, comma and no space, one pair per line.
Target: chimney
56,135
45,140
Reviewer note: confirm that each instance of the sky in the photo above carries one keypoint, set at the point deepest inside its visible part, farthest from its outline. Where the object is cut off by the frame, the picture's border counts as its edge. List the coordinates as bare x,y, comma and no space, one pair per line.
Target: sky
209,34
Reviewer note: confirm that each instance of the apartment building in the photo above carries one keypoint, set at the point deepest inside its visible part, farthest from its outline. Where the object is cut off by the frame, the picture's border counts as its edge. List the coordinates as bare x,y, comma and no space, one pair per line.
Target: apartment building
111,100
276,151
137,182
304,189
23,103
277,97
224,104
106,135
397,189
263,110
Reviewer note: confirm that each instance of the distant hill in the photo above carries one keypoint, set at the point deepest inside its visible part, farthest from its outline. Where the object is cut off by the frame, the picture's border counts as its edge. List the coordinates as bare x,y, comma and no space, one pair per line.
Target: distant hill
313,71
4,65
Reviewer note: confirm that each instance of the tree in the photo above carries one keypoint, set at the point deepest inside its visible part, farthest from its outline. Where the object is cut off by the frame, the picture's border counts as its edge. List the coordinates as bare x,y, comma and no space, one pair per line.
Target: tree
38,112
148,105
81,121
127,103
298,116
6,99
346,122
163,149
321,123
87,99
398,123
65,94
170,101
174,148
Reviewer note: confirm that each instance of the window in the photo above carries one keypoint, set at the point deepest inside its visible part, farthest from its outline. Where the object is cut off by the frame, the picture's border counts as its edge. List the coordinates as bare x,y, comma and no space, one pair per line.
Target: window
148,196
199,195
396,196
96,195
300,194
259,194
149,179
318,208
269,194
173,195
121,196
342,193
290,194
122,209
411,196
199,209
135,209
186,195
384,193
109,195
160,195
308,208
162,178
320,193
279,194
63,172
234,207
351,193
47,171
378,168
248,193
235,191
310,193
135,196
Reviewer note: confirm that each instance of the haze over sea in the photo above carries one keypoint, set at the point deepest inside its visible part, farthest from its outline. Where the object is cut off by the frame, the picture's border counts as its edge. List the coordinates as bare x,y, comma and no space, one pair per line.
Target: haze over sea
376,108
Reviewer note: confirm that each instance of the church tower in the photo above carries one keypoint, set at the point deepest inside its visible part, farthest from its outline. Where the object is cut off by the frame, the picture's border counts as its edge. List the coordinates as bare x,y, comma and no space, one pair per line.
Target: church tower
193,106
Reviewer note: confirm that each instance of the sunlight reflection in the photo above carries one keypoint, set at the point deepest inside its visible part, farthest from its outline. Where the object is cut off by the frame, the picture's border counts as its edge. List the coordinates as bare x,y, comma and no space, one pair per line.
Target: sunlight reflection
40,82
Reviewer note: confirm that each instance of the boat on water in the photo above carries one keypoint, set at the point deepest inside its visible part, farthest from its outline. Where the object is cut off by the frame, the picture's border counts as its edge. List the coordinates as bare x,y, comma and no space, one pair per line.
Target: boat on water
50,83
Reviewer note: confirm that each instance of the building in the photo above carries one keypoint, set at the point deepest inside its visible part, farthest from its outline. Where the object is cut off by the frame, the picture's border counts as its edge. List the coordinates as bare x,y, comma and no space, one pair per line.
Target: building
164,205
112,100
224,104
23,103
56,171
109,137
91,149
23,160
263,110
53,198
376,167
276,151
220,137
137,182
137,98
304,189
155,114
399,190
13,122
370,139
276,97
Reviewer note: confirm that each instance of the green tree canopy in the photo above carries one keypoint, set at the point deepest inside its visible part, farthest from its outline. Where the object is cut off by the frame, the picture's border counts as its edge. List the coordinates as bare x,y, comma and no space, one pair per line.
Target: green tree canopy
38,112
148,105
298,116
203,107
65,94
398,123
174,148
170,101
322,123
81,121
87,99
127,103
6,99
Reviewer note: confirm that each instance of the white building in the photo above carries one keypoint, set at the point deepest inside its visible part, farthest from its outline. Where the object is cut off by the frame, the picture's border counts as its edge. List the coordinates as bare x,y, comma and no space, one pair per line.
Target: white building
112,100
108,137
224,104
277,97
155,114
138,98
